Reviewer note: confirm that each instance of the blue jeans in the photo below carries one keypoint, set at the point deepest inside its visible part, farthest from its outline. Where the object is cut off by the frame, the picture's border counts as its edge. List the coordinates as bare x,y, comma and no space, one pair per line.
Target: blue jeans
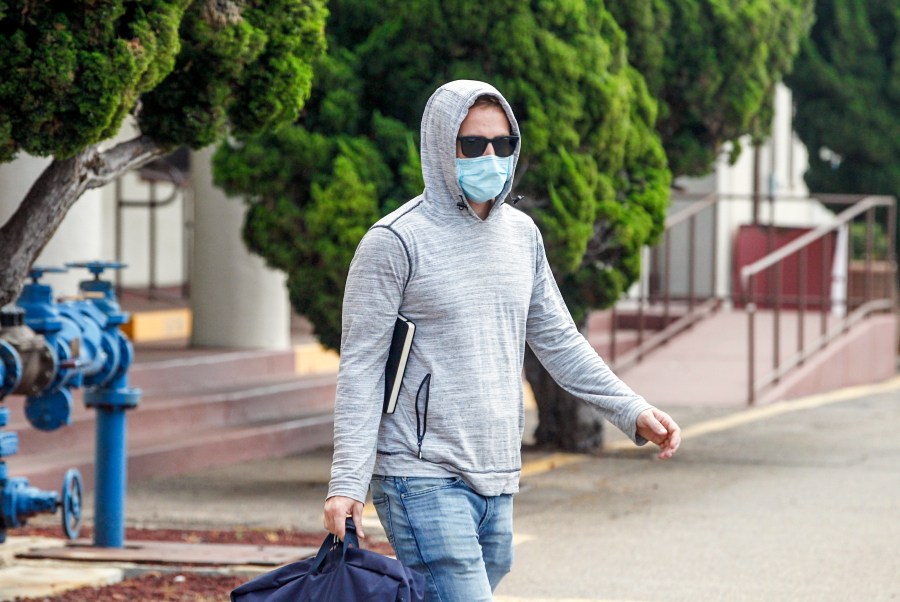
459,540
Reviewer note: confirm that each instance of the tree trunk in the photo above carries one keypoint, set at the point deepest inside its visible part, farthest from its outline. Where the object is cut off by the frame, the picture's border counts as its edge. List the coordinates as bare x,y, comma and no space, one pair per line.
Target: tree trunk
565,422
25,234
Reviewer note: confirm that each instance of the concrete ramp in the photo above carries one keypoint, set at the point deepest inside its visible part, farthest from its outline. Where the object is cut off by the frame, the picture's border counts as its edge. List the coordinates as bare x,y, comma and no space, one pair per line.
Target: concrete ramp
707,365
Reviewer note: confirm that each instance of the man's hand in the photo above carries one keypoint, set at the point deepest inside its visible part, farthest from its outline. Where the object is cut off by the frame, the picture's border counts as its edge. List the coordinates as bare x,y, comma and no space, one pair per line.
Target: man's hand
658,427
337,509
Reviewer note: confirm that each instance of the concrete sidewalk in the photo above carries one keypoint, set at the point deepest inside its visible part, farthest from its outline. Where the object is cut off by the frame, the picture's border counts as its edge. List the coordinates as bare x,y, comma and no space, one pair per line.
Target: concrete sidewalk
794,501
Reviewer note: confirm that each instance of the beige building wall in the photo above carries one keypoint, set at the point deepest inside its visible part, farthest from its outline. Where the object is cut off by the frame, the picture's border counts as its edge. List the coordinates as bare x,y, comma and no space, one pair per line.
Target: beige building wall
79,237
236,300
783,160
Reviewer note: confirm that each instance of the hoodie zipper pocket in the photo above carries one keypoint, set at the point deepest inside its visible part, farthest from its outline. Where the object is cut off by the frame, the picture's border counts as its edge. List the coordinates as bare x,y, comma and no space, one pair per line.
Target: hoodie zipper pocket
422,425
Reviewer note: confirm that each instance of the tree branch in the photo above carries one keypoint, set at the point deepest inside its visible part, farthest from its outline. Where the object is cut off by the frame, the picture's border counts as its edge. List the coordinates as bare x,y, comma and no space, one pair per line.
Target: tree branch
37,218
107,166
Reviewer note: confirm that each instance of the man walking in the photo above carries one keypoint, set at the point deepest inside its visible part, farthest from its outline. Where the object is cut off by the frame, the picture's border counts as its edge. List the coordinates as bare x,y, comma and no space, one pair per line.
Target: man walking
471,273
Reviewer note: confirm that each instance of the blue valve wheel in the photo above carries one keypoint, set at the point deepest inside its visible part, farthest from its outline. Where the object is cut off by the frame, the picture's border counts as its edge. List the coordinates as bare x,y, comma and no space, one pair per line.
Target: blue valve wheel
97,267
37,271
72,492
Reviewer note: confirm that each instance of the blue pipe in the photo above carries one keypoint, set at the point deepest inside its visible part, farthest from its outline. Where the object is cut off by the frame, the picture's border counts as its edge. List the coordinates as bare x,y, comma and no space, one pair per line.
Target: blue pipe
110,468
110,477
78,344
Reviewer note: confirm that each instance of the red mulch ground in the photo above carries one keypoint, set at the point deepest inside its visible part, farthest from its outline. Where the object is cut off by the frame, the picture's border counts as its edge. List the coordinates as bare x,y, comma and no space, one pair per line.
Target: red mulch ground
189,586
154,587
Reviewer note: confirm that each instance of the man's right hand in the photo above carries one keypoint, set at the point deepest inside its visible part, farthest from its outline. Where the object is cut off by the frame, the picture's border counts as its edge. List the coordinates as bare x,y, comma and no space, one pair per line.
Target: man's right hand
337,509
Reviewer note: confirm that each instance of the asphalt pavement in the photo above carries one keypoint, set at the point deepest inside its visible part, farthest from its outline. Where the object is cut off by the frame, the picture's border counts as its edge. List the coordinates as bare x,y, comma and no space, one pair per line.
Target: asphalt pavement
793,501
799,505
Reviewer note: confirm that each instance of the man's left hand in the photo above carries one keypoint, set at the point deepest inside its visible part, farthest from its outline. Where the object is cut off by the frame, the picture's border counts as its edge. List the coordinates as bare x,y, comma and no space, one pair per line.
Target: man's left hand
657,426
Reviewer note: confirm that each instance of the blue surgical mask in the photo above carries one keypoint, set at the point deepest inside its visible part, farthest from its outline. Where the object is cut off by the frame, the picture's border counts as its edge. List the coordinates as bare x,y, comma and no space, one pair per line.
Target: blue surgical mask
483,178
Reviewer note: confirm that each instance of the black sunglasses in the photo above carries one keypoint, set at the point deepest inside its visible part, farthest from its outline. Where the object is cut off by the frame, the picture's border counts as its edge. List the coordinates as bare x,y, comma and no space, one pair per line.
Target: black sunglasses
474,146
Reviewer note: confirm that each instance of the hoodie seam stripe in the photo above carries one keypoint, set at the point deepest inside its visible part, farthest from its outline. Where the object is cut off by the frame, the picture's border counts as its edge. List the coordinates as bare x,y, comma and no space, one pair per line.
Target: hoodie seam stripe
405,249
407,212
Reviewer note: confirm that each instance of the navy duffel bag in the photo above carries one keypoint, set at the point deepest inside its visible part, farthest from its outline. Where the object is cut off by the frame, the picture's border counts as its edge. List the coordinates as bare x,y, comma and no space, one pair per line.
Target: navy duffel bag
340,572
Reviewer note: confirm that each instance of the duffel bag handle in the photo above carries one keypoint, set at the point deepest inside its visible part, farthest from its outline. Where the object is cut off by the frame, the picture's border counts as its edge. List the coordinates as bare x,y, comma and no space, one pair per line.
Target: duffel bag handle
331,542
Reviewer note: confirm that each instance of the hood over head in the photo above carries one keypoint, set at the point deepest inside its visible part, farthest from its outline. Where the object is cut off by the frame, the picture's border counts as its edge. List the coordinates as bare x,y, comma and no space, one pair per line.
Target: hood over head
443,115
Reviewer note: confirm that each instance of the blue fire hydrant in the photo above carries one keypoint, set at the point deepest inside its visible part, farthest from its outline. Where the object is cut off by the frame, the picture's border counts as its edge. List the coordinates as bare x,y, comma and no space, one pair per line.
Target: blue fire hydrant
49,348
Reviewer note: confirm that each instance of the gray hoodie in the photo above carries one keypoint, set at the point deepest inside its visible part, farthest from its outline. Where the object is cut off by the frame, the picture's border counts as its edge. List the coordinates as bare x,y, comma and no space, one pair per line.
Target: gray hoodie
477,290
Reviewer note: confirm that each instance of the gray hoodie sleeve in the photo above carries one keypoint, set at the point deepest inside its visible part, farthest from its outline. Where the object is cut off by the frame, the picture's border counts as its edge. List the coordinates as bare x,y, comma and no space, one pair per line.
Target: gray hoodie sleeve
569,358
374,291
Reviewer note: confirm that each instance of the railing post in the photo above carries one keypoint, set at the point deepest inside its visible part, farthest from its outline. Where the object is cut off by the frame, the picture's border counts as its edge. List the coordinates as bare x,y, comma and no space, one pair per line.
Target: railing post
641,296
612,334
667,263
801,306
776,322
823,322
691,267
891,252
850,305
870,274
751,341
715,250
152,242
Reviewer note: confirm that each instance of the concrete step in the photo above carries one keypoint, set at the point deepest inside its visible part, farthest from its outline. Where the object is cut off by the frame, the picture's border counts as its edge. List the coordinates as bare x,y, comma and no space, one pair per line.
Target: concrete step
632,328
176,372
198,408
189,372
161,416
178,454
655,317
602,342
200,369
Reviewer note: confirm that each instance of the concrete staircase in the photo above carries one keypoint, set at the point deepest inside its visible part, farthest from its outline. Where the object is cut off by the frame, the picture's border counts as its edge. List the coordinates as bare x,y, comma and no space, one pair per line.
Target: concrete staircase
199,408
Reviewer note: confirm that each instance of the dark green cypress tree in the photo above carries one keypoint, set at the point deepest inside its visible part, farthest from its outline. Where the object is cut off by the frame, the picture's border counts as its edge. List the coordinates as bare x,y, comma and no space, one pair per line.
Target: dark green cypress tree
713,65
592,169
846,86
191,72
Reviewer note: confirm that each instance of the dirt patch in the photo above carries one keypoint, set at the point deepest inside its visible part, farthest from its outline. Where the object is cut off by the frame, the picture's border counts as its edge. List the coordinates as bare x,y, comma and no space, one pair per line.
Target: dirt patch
188,586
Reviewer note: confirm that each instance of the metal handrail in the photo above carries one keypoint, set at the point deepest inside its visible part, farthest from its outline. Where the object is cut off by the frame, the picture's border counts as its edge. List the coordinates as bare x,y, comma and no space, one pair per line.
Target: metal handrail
704,202
696,309
813,235
801,246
